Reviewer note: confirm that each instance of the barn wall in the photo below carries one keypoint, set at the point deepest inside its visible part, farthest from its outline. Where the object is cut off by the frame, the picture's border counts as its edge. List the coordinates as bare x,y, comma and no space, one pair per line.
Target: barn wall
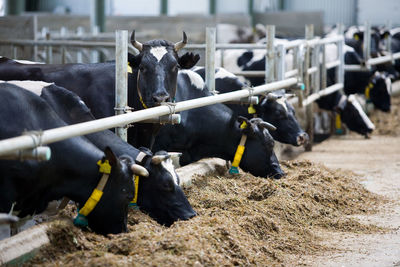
338,11
379,12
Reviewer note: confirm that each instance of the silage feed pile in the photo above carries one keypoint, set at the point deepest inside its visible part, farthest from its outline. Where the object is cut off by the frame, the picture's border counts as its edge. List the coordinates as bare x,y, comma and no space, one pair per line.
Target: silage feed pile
242,220
388,123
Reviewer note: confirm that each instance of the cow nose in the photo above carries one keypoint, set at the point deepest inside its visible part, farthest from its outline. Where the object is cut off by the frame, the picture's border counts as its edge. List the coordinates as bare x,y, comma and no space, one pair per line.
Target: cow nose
160,98
302,138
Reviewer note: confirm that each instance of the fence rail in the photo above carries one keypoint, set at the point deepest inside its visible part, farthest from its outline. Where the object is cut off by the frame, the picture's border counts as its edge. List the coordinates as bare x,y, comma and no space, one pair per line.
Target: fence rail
307,69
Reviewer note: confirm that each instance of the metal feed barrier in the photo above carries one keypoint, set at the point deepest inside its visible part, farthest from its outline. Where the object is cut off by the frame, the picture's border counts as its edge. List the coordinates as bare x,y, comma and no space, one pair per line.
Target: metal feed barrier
309,70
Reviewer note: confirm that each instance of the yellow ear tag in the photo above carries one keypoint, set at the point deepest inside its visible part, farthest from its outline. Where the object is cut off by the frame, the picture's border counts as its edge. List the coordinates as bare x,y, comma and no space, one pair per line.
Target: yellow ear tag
105,167
251,109
129,68
243,125
356,37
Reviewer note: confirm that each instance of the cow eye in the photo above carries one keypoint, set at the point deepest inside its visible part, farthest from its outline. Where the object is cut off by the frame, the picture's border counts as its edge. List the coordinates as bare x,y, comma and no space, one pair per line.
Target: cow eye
123,190
142,69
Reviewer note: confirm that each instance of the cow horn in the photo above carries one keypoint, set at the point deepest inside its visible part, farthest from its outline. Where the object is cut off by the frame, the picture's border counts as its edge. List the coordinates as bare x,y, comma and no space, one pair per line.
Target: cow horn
157,159
267,125
289,95
139,170
135,43
181,44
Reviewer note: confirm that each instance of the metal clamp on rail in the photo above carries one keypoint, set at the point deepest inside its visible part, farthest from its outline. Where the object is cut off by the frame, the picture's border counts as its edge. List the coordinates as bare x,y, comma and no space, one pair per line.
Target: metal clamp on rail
250,100
126,109
171,118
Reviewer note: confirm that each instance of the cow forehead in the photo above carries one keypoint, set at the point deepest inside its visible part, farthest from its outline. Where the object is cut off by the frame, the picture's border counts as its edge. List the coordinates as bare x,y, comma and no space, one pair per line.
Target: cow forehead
364,116
158,52
35,87
169,167
282,101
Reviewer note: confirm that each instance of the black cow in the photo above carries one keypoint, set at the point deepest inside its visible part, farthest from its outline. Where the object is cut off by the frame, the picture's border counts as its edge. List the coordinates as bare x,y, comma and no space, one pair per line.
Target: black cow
273,109
159,194
214,131
72,170
152,81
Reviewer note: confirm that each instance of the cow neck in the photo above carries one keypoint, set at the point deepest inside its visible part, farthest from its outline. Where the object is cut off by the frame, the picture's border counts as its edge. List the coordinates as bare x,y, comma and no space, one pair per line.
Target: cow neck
367,91
138,90
133,203
94,198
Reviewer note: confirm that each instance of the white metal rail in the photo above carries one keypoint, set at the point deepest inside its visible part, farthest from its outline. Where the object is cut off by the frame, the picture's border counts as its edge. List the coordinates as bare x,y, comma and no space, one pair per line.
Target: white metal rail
62,133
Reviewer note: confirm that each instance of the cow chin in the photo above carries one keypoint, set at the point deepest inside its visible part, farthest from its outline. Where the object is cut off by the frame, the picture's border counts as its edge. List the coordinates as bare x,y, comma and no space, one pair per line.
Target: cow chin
167,212
106,225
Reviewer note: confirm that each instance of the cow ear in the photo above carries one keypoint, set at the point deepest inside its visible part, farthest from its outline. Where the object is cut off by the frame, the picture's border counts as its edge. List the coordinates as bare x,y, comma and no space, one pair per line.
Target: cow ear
358,36
385,34
134,61
188,60
110,156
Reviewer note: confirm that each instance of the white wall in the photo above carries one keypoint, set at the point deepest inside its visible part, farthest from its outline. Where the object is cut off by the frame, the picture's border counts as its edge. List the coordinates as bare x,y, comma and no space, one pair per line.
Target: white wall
179,7
136,7
232,6
379,12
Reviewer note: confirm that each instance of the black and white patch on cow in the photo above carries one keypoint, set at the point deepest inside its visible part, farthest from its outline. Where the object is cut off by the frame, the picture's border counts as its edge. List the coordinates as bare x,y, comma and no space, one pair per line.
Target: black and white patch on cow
195,79
169,166
352,99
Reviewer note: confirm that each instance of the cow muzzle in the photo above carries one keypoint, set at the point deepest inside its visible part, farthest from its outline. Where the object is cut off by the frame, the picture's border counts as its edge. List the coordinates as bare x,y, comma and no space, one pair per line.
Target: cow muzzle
302,139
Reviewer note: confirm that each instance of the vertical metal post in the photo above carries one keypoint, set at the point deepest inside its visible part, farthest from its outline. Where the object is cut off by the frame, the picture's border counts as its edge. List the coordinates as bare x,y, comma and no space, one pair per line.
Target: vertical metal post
35,37
367,42
315,63
121,78
210,58
14,51
300,73
280,64
79,32
63,34
212,7
94,53
164,7
309,34
340,68
270,55
389,39
251,12
49,51
323,67
15,7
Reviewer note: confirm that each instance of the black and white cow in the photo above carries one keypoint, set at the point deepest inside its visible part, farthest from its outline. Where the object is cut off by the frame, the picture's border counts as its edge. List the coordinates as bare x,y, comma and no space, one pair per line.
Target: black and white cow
159,194
274,108
350,111
376,86
72,170
214,131
152,81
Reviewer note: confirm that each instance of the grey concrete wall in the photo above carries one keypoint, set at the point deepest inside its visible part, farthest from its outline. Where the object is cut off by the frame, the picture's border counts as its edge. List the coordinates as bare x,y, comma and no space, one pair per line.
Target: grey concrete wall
291,24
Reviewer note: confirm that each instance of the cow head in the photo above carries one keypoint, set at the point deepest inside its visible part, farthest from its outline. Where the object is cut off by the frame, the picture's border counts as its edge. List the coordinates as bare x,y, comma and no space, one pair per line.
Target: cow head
380,88
160,194
259,156
354,116
276,110
156,69
375,42
110,214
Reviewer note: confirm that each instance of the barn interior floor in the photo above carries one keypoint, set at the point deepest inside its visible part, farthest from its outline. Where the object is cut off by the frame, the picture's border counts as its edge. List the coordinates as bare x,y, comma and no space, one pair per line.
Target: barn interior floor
377,162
